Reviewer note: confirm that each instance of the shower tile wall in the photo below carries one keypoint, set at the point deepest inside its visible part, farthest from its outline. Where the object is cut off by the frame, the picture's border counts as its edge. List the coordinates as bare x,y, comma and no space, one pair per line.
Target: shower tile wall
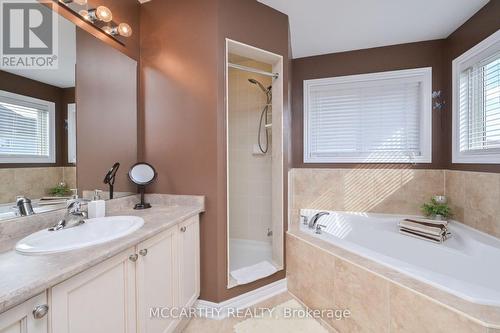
250,173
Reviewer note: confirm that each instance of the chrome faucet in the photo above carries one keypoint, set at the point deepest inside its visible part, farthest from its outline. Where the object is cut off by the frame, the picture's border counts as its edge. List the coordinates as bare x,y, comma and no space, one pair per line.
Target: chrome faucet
24,206
314,220
75,216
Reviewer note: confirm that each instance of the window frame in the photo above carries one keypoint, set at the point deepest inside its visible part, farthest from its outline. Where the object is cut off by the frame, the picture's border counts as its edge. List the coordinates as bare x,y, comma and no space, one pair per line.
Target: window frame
475,55
423,75
33,102
71,131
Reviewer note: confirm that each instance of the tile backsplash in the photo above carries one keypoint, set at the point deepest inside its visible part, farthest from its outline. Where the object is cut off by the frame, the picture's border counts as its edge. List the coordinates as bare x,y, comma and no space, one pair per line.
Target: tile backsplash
33,182
364,190
474,197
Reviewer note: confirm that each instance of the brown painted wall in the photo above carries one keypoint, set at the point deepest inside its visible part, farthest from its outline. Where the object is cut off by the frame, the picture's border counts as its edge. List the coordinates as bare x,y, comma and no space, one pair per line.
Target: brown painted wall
388,58
27,87
438,54
484,23
106,113
182,88
179,96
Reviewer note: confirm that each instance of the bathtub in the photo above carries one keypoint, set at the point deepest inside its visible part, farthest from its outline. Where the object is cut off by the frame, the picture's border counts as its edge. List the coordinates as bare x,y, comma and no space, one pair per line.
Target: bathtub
467,265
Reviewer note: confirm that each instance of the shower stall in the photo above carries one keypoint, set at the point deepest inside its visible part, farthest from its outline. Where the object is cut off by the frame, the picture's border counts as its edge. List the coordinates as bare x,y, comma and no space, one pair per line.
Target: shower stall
254,163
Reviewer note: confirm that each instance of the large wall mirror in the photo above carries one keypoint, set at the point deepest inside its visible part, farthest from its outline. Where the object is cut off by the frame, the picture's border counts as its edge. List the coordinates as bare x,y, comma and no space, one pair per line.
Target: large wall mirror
62,129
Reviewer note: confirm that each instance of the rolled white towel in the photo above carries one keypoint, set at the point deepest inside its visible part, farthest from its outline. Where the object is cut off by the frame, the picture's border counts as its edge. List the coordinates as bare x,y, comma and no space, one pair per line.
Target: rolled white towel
428,221
427,237
423,227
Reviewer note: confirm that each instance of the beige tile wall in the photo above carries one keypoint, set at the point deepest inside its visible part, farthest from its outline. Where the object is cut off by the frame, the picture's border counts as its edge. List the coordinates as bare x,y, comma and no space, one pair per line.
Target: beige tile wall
475,199
249,174
323,281
363,190
33,182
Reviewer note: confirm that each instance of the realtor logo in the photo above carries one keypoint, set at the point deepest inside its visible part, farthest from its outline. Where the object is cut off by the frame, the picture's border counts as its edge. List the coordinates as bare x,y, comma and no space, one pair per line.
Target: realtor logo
28,35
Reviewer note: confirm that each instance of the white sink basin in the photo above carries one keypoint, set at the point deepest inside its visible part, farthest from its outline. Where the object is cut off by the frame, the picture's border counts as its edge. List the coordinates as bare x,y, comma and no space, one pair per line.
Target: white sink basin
92,232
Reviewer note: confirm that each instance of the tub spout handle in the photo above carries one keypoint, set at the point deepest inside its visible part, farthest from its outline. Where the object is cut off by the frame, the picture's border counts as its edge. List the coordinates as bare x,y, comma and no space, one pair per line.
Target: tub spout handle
315,218
318,229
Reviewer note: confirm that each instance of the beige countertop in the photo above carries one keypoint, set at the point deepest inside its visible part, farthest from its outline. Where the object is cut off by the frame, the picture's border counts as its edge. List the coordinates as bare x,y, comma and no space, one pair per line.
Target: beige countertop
23,276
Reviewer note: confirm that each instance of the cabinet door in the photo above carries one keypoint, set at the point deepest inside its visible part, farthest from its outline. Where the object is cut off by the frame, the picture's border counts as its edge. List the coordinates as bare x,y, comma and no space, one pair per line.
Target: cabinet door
99,300
189,261
21,319
156,282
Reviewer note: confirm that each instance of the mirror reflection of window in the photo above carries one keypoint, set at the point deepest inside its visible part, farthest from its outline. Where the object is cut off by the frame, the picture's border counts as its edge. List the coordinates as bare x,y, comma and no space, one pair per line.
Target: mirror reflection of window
71,133
27,129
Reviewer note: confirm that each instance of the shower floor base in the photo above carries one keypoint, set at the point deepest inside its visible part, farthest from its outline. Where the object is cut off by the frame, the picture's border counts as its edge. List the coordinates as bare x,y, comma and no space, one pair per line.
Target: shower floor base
245,253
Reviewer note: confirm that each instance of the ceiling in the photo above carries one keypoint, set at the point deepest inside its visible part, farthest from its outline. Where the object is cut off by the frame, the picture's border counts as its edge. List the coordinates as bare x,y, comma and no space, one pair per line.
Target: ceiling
329,26
64,75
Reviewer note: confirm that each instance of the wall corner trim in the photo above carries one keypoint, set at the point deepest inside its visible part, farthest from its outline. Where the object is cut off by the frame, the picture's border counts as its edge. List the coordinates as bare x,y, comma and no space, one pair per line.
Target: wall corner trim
221,310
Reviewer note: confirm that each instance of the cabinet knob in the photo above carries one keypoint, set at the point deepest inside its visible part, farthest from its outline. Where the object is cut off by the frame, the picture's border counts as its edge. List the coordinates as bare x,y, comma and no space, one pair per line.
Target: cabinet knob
183,229
133,257
143,252
40,311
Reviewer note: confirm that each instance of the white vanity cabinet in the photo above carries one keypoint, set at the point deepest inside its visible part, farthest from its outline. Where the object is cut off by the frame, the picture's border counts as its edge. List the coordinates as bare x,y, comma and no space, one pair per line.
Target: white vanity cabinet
189,261
157,279
28,317
117,295
100,299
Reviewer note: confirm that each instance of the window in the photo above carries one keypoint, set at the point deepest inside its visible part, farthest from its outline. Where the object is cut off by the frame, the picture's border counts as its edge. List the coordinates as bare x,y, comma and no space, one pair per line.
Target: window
71,125
476,103
27,133
369,118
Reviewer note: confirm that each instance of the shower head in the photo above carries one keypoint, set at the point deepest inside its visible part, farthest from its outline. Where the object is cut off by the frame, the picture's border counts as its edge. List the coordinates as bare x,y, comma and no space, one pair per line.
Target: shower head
253,81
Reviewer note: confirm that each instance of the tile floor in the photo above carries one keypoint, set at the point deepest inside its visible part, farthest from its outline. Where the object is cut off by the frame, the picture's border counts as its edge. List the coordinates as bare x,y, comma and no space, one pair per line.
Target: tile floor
202,325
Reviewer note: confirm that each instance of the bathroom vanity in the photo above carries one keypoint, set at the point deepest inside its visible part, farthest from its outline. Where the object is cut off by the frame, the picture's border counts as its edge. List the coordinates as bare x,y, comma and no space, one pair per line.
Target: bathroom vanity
110,287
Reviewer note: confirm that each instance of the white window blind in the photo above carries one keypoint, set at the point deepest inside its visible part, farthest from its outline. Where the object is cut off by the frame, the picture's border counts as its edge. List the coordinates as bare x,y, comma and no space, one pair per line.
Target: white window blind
480,106
26,129
476,106
372,118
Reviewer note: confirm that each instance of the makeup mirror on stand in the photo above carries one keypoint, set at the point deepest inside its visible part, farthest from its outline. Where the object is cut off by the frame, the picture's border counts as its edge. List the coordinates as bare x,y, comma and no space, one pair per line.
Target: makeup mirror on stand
142,174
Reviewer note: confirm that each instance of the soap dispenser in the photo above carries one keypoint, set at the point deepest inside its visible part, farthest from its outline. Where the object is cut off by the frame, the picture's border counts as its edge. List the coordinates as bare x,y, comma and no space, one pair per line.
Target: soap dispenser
96,207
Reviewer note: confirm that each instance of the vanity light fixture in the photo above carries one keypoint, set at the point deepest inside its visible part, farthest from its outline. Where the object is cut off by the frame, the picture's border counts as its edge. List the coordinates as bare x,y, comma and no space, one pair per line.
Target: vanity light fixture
78,2
101,13
85,14
123,29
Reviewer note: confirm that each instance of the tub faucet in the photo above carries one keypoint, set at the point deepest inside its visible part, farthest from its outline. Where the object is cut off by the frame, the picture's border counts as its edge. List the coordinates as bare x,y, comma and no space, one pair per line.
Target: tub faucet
315,218
24,206
74,216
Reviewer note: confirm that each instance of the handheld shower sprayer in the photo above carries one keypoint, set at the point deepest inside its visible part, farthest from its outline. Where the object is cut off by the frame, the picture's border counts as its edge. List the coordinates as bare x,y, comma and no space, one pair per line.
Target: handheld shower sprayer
264,115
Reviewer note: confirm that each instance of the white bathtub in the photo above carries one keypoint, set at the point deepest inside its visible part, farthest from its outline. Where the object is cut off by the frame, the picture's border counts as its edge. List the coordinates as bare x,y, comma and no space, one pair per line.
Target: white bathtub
466,265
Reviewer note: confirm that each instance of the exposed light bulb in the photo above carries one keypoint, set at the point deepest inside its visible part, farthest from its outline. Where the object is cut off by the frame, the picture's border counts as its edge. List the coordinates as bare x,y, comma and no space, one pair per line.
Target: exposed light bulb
85,14
78,2
107,29
124,30
103,13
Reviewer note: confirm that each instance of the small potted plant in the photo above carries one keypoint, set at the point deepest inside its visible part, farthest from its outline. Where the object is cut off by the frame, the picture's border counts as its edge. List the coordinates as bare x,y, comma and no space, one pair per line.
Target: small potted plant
60,190
437,209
